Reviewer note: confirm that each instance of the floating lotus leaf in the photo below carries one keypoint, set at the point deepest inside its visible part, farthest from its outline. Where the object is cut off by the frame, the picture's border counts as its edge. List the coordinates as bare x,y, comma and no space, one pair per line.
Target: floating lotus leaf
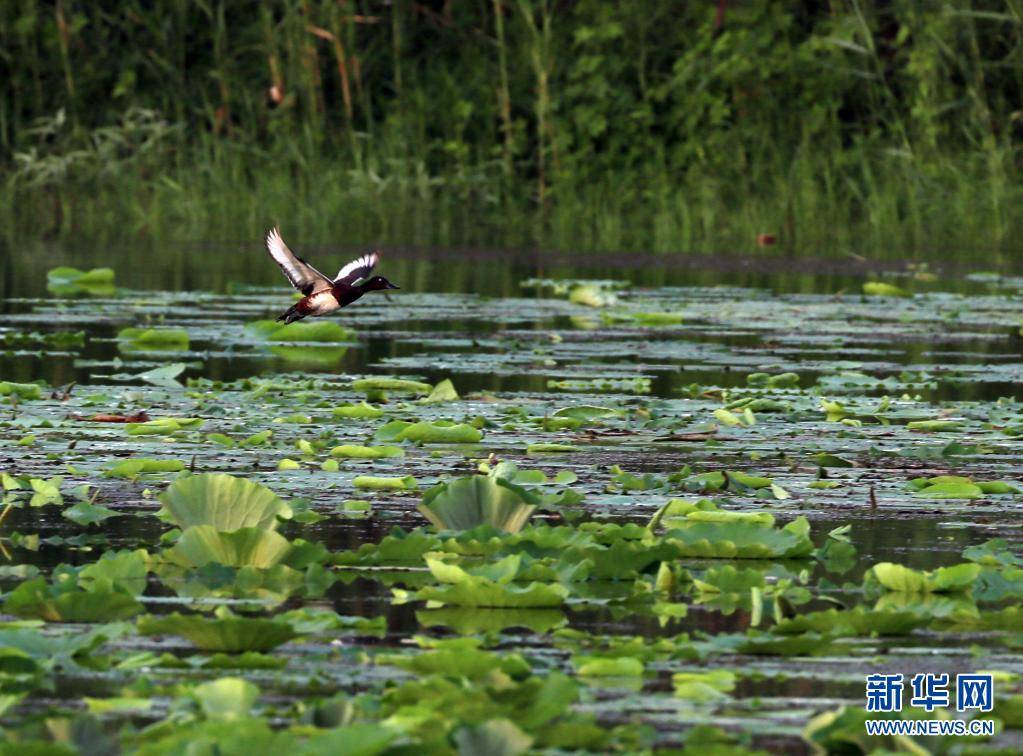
993,553
367,452
621,559
769,644
882,289
443,392
152,338
228,632
25,391
477,500
29,649
352,740
997,487
762,519
474,620
934,426
766,380
958,487
488,586
126,570
313,354
85,513
67,281
1008,619
246,547
132,468
591,295
165,376
709,685
896,577
860,621
588,412
245,735
733,480
67,603
227,699
163,426
360,411
729,579
398,548
314,332
496,736
608,666
741,540
429,433
832,460
398,385
408,483
223,501
457,656
269,586
546,448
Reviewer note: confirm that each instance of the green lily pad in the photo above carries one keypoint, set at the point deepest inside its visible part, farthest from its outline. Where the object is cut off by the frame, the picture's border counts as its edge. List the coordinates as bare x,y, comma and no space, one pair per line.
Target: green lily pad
367,452
607,666
65,602
408,483
68,281
442,392
222,501
711,685
897,577
227,632
163,426
488,586
429,433
397,385
85,513
882,289
132,468
153,338
314,332
26,391
360,411
467,503
226,700
244,547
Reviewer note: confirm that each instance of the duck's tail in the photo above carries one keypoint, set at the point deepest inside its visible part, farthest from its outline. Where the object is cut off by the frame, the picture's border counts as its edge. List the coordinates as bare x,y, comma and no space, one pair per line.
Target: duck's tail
291,315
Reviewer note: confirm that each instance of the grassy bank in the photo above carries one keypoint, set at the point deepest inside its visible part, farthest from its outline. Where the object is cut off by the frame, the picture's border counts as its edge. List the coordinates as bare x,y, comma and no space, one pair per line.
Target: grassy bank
876,130
884,206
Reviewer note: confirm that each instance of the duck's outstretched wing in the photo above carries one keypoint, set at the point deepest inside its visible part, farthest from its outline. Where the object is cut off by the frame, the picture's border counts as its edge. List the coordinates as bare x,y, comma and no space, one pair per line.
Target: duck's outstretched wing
357,269
302,275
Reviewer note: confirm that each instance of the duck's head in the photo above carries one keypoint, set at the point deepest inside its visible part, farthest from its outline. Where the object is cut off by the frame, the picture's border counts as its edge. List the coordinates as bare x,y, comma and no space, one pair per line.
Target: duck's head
378,283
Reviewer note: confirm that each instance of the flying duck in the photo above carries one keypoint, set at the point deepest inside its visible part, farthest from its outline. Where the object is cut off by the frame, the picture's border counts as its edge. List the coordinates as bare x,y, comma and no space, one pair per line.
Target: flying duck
321,295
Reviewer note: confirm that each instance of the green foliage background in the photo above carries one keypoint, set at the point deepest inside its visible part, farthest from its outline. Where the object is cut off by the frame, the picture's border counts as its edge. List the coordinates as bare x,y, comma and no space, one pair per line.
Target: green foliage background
881,126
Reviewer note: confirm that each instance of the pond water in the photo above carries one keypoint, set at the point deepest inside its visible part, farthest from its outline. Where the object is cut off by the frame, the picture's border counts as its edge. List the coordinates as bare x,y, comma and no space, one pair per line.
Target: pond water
776,392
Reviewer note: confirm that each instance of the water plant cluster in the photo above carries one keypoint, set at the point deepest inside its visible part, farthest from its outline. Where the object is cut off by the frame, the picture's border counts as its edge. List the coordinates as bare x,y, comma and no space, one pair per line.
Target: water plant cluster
858,125
633,520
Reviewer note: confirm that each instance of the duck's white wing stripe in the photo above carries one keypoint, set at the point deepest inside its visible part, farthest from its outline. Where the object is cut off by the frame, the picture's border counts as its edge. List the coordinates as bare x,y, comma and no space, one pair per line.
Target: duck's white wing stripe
357,269
301,274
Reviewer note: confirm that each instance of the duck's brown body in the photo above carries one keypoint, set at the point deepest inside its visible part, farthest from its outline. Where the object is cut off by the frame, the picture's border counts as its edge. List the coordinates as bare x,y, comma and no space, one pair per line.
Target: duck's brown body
322,302
323,295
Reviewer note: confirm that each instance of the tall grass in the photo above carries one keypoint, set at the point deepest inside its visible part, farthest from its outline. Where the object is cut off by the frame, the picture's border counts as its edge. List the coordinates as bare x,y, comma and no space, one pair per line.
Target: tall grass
878,128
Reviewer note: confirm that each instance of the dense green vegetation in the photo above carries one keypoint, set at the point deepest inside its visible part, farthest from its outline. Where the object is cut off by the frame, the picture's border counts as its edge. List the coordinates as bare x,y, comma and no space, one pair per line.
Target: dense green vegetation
881,126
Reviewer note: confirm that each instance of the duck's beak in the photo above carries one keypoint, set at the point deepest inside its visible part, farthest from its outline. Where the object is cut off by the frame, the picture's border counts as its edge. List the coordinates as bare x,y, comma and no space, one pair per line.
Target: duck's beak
392,286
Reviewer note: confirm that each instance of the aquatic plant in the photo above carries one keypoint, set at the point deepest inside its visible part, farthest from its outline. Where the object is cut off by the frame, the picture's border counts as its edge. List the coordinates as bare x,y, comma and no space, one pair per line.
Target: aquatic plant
467,503
224,502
